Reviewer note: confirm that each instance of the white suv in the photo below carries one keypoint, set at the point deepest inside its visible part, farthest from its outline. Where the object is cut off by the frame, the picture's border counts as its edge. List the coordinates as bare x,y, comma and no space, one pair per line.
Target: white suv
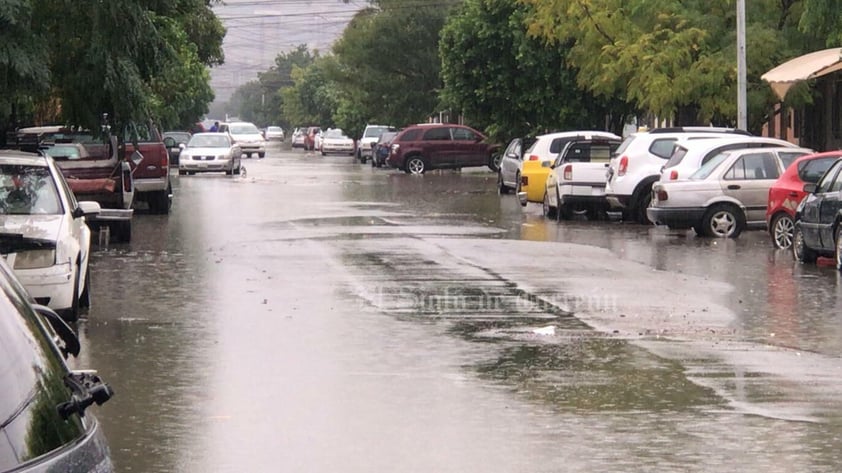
637,163
370,137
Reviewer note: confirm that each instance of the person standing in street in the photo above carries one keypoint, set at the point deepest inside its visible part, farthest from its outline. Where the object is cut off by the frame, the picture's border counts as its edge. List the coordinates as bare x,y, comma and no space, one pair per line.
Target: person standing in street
215,127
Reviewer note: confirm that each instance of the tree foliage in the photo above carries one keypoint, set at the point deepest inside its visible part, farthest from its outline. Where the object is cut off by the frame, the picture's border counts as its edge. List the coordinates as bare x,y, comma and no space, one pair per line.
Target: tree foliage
311,99
512,84
674,59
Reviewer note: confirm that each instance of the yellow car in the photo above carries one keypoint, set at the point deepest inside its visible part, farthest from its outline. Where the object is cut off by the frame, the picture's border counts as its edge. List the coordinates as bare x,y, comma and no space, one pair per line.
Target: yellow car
537,160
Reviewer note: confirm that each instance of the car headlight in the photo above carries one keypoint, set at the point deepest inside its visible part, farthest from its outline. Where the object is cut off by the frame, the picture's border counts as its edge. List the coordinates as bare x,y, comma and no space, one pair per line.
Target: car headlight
35,259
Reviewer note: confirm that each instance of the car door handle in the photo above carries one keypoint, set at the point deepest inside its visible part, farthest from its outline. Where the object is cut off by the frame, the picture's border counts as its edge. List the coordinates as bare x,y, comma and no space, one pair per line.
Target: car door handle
733,187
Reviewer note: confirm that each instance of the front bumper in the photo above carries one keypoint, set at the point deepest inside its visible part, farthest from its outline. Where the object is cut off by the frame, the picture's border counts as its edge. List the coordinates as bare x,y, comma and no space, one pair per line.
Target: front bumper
252,147
339,149
216,165
53,285
676,217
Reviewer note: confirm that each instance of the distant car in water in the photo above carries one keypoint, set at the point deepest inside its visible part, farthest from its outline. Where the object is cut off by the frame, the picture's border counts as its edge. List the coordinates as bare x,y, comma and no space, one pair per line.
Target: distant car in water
177,143
274,133
334,141
211,152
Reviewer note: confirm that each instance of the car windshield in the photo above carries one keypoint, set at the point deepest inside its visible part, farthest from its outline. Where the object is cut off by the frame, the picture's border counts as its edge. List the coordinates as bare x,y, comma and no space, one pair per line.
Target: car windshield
335,133
63,152
28,190
375,131
178,137
274,129
244,129
208,141
708,168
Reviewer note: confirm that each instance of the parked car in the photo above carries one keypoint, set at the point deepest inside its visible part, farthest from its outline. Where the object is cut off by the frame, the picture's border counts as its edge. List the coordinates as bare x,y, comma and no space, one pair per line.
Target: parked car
508,176
689,156
371,134
380,152
176,142
576,183
274,133
298,138
724,197
45,421
419,148
247,136
43,233
788,191
150,166
534,168
335,141
211,152
818,219
638,161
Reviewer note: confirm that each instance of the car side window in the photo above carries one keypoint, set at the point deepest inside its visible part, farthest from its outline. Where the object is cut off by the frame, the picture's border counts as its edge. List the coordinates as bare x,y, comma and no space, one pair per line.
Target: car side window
813,170
463,134
754,167
829,177
437,134
788,158
837,183
662,148
411,135
558,143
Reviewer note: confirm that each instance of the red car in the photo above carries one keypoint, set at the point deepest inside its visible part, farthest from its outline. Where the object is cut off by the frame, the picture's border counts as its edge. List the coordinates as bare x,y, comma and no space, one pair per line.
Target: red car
788,191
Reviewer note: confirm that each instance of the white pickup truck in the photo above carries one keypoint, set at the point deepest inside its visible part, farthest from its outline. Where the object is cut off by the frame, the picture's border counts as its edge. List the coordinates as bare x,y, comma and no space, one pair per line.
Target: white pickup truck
576,183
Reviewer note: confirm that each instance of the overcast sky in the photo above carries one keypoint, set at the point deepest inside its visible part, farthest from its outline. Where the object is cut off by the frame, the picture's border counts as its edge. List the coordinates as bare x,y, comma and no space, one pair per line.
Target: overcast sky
259,30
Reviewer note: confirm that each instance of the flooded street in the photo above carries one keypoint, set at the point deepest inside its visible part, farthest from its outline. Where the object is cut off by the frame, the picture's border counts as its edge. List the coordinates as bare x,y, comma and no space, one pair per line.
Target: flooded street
321,315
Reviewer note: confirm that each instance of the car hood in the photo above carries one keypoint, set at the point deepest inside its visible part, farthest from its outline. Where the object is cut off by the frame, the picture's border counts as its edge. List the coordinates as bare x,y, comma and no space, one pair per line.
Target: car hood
42,227
207,151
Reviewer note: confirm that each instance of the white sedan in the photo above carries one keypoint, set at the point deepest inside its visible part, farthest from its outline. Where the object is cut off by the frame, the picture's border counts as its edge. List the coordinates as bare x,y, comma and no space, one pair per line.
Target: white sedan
43,234
335,141
210,152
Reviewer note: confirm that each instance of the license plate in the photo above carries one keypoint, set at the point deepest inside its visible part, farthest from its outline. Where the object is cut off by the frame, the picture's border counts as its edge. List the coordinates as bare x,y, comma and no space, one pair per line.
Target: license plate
203,165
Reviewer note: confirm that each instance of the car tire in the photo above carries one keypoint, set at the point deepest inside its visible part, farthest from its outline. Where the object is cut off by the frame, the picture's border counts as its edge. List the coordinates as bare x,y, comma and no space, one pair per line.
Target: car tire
546,210
800,252
261,155
415,165
494,161
72,314
640,204
501,187
85,297
159,201
182,172
782,229
723,221
238,169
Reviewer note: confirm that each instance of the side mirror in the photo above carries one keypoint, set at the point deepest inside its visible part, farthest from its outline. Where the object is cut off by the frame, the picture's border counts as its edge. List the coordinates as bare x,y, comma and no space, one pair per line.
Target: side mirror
86,208
169,142
810,188
69,342
182,146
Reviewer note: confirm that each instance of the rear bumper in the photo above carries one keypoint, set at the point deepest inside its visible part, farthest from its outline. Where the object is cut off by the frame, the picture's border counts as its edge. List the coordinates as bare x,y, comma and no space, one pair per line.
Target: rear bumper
676,217
618,201
151,184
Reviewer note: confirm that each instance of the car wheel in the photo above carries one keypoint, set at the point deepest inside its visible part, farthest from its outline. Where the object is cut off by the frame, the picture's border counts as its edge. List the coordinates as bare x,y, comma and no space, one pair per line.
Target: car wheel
546,210
838,254
501,188
640,205
723,221
238,169
782,229
159,201
416,165
800,252
72,314
494,161
85,298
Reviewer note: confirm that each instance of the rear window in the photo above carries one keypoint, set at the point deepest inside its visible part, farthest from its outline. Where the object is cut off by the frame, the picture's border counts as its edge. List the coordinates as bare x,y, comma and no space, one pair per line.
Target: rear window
678,153
558,143
374,131
244,129
410,135
788,157
813,170
625,144
710,166
588,152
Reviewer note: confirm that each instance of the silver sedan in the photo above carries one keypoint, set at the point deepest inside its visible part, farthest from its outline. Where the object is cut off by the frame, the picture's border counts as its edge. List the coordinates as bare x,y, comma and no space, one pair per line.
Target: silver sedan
210,152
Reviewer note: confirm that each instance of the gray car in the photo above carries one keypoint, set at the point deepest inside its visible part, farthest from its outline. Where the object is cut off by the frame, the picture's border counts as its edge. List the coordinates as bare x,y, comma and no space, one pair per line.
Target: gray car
45,424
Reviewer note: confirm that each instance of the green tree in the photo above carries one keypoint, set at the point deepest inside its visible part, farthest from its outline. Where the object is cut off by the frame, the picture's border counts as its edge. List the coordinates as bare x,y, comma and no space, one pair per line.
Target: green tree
674,59
512,84
311,100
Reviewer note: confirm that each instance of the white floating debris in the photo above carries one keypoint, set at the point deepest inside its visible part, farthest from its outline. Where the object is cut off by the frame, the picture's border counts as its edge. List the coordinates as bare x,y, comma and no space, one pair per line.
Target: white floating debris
548,330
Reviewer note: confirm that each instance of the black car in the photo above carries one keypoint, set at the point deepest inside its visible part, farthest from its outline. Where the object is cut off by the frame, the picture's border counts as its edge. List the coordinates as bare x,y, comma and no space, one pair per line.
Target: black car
817,219
44,422
176,144
381,148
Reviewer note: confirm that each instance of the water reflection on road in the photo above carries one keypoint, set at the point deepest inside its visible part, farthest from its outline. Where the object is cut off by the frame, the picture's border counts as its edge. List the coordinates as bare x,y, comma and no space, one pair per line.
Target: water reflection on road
322,316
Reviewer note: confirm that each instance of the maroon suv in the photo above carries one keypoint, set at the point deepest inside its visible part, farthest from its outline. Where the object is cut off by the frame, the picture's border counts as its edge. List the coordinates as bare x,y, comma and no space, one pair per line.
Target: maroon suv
440,145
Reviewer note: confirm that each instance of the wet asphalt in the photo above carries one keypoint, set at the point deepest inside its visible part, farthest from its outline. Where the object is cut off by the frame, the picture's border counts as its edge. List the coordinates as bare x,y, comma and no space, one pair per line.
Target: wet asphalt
320,315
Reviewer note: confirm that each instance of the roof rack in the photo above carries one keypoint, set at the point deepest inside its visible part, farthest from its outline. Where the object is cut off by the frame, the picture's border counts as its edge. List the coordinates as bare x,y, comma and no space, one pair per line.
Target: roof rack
700,129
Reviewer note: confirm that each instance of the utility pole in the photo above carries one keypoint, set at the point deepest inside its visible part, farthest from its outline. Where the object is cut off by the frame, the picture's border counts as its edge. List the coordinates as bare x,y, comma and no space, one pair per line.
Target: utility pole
742,114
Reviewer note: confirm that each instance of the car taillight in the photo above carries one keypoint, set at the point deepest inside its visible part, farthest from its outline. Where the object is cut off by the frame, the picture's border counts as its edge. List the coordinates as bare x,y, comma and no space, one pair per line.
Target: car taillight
524,180
662,195
624,166
165,160
534,157
568,172
673,175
